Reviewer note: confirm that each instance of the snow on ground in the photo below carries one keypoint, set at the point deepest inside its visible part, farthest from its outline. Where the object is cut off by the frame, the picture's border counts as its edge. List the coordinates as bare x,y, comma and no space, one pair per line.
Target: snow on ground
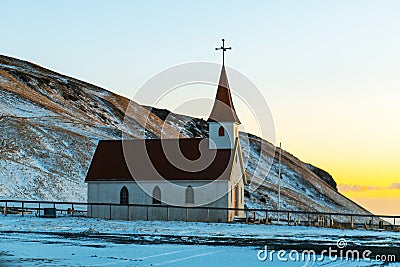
76,241
49,252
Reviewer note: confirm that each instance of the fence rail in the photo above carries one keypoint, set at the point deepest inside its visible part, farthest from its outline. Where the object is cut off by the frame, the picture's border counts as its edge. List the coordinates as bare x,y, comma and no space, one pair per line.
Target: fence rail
252,215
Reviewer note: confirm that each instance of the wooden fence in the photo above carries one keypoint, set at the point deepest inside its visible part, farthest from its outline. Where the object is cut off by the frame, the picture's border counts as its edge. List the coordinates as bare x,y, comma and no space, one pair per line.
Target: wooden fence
261,216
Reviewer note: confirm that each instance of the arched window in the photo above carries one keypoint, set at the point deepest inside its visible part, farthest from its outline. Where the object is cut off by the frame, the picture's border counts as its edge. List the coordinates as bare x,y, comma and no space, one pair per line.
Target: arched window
124,196
221,131
189,195
156,195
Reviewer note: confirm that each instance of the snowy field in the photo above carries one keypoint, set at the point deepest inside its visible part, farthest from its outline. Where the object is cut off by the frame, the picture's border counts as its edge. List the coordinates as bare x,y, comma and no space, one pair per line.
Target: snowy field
67,241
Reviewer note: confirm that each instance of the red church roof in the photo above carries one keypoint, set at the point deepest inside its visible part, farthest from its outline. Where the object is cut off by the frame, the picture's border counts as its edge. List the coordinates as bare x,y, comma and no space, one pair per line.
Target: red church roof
223,109
147,160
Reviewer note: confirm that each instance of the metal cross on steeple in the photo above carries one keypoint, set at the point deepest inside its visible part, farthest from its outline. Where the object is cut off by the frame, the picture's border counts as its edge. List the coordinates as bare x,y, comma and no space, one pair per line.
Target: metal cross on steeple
223,48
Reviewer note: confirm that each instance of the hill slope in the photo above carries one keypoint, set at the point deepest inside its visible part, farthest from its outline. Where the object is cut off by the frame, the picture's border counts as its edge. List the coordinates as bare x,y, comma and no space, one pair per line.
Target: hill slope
50,125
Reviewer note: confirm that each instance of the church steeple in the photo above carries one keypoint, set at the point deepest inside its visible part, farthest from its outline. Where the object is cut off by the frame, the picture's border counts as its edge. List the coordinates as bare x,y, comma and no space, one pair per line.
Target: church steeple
223,121
223,109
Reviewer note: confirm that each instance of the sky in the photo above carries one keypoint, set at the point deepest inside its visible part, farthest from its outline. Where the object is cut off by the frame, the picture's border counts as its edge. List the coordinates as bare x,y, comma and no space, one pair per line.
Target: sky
329,70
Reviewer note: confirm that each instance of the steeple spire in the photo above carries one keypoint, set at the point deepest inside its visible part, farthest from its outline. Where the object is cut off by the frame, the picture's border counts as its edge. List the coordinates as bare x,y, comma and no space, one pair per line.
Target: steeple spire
223,109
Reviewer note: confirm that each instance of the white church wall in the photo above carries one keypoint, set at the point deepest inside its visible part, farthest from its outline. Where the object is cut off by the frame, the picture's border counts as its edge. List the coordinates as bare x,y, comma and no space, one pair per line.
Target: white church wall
236,181
222,142
109,192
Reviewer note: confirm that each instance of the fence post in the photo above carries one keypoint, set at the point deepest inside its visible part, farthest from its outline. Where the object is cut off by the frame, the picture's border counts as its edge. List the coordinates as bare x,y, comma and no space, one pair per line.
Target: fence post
22,208
110,212
187,211
266,217
128,212
351,222
288,218
39,210
381,226
5,209
147,213
167,213
208,215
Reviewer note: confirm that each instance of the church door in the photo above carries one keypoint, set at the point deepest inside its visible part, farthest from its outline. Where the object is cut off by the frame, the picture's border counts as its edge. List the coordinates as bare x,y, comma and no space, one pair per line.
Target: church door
235,199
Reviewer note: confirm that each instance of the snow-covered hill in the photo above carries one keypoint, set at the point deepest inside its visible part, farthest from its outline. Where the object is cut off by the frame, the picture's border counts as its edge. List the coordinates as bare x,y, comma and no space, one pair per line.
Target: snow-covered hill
50,125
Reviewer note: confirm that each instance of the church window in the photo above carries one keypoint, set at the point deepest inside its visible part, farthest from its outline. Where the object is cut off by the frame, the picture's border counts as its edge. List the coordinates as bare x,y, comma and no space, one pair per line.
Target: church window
221,131
156,195
124,196
189,195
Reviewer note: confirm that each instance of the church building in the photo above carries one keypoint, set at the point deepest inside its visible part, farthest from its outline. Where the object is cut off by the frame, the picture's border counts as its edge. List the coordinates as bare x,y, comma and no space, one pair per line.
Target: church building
142,172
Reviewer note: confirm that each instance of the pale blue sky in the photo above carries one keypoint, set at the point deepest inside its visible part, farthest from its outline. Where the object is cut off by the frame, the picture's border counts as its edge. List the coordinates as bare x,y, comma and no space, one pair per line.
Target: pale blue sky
329,69
119,44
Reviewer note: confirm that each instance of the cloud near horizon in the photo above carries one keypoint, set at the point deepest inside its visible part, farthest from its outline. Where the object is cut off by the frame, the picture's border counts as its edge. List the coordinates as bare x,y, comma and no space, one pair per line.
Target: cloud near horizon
364,188
394,186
